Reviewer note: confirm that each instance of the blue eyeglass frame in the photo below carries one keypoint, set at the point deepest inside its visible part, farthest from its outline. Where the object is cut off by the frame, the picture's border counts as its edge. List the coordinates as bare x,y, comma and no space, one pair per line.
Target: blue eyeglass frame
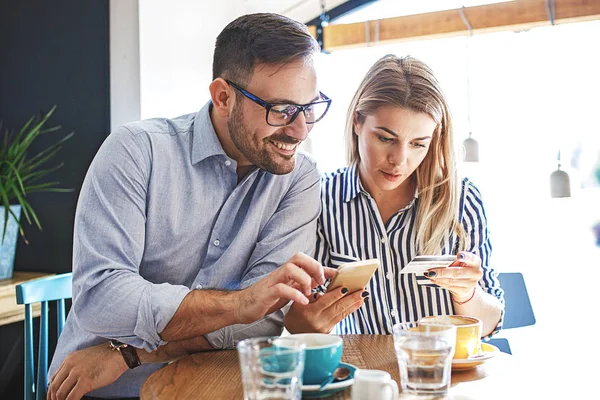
267,106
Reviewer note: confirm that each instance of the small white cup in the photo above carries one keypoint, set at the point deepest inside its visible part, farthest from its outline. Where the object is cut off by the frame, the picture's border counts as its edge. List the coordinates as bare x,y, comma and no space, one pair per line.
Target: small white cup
373,384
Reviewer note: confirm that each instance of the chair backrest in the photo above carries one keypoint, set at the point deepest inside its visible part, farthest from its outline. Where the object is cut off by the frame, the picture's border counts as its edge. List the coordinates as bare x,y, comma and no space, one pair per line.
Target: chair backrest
517,307
42,290
502,344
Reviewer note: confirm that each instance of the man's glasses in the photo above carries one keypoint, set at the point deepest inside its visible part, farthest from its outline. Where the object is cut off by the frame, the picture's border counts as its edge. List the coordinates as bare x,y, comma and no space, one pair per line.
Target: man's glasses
285,114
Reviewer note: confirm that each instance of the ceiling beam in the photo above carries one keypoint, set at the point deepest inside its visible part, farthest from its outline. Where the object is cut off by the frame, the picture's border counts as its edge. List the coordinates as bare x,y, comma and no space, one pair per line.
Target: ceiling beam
342,9
514,15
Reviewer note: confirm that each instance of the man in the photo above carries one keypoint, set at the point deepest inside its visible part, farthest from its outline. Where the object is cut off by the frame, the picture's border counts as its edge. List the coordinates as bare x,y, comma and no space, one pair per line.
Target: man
184,227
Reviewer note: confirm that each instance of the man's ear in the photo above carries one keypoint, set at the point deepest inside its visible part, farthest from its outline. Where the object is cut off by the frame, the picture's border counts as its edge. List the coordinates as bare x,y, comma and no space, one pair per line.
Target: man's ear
222,97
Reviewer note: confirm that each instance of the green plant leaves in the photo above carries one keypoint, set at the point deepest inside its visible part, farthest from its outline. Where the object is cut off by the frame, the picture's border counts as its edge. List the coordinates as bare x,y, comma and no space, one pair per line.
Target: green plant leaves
20,174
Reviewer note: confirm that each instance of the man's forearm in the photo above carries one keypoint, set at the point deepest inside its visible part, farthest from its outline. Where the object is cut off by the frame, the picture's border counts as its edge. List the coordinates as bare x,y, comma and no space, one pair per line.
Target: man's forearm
270,325
229,336
174,350
201,312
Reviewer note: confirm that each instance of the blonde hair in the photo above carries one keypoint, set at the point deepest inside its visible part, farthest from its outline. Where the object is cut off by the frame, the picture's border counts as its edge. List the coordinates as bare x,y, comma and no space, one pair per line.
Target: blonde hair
409,83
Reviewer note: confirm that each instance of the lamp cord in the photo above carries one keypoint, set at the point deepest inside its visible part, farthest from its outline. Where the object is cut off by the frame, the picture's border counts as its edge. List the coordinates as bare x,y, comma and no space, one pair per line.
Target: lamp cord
551,10
324,17
558,159
468,72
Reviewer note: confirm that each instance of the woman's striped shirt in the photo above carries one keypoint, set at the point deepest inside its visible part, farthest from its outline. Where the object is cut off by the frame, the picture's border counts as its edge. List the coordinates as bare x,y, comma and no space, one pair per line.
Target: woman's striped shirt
351,229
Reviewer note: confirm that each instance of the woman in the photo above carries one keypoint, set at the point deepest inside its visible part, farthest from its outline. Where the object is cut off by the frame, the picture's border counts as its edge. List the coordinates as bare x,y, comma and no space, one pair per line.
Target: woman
399,198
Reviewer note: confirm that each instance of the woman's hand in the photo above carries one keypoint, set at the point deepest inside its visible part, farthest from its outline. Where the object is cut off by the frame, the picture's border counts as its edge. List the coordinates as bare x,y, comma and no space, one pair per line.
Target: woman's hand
460,278
324,312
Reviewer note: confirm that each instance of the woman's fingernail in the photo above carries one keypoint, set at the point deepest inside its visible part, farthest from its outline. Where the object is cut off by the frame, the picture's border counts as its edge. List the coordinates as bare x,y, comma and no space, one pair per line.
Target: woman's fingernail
344,290
462,256
365,294
430,274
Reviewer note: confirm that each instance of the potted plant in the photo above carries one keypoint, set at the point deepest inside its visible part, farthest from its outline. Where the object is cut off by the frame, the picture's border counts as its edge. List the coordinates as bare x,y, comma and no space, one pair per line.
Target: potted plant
20,175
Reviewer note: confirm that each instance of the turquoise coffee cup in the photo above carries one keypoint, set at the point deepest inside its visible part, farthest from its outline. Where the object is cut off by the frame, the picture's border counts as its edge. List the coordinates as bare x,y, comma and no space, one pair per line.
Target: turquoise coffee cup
323,355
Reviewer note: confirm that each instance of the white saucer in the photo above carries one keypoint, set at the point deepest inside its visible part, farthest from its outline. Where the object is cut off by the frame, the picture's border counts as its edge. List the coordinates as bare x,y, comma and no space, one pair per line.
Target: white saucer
313,390
489,351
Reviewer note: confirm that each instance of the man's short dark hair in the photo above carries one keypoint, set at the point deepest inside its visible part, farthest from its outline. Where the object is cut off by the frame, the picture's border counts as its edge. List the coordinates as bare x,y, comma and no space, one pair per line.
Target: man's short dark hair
260,39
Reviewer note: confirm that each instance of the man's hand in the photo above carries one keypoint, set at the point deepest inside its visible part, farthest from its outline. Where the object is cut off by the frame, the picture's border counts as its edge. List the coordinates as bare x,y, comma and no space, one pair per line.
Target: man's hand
293,281
86,370
323,314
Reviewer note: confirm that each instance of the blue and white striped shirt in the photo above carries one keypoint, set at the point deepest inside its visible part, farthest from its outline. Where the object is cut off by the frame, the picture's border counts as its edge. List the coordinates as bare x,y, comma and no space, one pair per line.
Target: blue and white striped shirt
351,229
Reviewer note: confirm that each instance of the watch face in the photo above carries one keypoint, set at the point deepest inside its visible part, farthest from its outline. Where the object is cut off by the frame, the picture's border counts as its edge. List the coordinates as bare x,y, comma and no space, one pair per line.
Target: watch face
129,353
117,345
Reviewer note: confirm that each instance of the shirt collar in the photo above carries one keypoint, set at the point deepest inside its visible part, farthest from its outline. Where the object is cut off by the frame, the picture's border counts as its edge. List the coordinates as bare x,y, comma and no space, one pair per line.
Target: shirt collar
352,185
205,142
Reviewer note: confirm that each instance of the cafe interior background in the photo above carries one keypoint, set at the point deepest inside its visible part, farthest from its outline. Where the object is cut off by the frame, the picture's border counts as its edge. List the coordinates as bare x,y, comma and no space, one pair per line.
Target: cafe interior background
525,93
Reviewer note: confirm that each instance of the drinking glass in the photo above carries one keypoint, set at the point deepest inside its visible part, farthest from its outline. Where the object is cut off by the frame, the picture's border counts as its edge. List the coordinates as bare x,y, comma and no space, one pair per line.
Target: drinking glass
272,367
425,357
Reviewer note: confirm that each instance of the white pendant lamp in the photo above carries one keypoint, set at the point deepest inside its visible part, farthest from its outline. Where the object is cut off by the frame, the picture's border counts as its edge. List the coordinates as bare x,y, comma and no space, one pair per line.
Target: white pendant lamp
471,148
560,184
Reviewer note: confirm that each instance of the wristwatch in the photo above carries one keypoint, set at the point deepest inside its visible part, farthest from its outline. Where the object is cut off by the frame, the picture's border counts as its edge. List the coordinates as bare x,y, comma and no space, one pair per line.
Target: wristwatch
129,353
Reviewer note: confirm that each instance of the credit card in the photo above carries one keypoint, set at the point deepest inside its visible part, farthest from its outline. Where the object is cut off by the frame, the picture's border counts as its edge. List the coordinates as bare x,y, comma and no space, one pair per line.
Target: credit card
420,264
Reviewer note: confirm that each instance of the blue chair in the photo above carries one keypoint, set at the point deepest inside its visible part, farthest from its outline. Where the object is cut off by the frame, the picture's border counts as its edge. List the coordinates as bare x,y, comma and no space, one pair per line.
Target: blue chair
517,307
42,290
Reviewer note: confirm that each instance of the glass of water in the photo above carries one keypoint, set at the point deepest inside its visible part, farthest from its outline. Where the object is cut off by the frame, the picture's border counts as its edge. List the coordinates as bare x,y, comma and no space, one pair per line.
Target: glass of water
425,357
272,367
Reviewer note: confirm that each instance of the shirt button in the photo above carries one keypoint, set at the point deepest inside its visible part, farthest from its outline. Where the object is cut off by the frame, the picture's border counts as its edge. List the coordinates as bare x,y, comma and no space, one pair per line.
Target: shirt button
383,240
217,242
388,276
198,286
228,163
393,313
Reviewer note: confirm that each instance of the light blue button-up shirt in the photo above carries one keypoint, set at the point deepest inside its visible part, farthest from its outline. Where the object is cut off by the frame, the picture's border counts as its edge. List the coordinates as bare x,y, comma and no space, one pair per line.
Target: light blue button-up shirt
161,213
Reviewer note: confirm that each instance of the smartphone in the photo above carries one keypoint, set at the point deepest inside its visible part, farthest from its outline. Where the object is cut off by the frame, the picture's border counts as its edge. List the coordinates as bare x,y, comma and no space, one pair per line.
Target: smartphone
354,275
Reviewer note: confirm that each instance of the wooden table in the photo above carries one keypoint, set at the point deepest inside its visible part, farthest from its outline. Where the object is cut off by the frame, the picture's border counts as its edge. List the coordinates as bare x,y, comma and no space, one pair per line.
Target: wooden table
10,311
216,375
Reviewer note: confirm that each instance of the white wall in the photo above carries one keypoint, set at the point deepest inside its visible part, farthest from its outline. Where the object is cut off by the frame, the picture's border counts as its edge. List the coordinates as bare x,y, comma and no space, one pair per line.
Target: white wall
161,51
176,46
124,62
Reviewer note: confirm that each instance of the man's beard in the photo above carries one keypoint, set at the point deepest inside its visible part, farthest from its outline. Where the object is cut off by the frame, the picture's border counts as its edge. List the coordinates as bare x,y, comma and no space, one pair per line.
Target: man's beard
258,153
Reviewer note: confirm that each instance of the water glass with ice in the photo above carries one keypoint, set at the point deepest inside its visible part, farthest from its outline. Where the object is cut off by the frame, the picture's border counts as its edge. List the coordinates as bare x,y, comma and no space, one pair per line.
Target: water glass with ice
272,367
425,357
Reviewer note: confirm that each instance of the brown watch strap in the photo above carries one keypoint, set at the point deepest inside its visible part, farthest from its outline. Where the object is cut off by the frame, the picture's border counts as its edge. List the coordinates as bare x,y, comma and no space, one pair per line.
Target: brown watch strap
129,353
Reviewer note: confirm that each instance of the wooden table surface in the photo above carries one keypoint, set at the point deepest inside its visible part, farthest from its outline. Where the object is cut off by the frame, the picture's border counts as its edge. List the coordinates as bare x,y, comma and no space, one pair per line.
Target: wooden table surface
10,311
216,375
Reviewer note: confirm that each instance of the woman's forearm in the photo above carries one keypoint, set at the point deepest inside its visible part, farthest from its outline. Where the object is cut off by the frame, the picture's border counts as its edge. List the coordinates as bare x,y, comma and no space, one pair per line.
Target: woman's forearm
483,306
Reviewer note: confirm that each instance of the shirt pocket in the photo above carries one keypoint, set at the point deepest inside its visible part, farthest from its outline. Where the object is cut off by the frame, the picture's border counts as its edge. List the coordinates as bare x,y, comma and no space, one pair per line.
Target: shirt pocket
338,259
